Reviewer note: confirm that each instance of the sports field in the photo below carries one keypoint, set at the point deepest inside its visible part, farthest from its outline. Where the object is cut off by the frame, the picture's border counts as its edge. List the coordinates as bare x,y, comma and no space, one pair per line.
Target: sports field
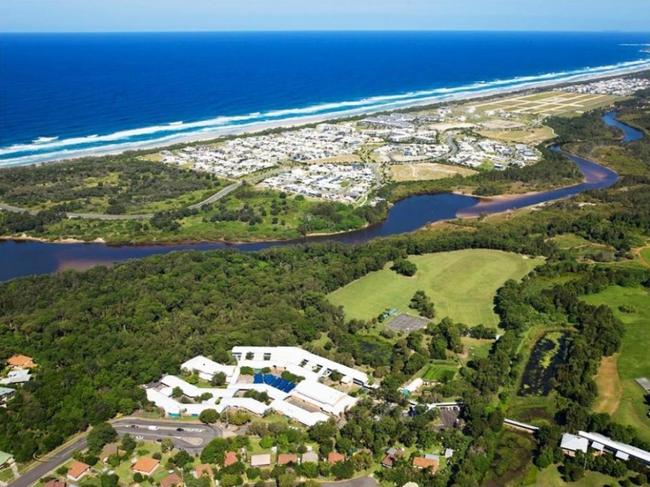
548,103
461,284
632,307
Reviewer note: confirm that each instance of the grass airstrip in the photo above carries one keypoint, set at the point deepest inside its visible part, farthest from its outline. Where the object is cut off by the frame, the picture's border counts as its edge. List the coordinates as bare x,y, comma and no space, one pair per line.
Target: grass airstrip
462,285
632,307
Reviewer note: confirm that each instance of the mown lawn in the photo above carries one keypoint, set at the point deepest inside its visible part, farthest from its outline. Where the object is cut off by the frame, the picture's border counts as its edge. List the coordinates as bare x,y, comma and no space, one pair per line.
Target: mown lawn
551,477
439,370
632,307
462,285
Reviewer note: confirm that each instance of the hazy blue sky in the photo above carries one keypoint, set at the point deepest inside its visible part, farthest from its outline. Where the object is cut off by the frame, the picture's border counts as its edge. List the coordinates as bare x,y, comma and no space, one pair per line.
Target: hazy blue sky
137,15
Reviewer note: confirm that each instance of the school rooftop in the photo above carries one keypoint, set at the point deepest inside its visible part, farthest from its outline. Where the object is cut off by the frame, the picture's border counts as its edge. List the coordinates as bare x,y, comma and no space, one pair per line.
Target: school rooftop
303,396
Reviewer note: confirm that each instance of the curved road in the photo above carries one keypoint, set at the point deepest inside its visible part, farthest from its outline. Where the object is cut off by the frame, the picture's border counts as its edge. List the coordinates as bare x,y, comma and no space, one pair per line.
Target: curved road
143,216
192,437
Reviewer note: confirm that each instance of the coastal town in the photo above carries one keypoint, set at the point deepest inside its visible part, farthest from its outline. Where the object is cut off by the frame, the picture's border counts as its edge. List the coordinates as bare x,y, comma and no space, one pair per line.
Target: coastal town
343,161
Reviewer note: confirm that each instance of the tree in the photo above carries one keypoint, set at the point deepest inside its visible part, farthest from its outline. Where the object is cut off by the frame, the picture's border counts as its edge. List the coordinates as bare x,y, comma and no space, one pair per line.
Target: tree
177,392
181,458
166,445
343,470
109,480
420,302
218,379
404,267
128,443
209,416
99,436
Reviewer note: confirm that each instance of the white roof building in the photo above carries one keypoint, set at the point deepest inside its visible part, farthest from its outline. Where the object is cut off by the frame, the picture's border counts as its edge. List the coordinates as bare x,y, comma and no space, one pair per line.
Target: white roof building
296,413
171,406
297,361
16,376
207,368
326,398
261,460
414,385
622,451
573,443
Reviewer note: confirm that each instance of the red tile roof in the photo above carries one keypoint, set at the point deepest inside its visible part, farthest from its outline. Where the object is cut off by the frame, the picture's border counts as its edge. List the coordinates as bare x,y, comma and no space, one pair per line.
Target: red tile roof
203,469
287,458
230,459
172,480
145,465
77,469
335,457
424,463
22,361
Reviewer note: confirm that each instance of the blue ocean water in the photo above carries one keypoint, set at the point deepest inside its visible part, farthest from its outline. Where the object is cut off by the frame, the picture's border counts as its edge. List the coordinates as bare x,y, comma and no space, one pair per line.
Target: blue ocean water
68,95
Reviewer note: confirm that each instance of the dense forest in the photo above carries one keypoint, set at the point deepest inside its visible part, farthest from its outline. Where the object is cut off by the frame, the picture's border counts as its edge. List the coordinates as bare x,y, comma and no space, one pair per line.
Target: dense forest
114,184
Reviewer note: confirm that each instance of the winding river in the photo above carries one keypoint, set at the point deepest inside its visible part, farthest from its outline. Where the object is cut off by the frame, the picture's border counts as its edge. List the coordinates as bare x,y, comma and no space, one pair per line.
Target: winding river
23,258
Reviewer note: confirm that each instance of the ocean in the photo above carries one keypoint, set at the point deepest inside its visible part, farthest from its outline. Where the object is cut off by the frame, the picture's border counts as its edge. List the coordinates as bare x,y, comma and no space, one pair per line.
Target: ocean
69,95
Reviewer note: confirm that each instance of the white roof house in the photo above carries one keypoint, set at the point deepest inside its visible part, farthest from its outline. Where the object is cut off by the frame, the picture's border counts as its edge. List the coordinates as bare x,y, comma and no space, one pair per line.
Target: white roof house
573,443
261,460
16,376
298,361
207,368
326,398
622,451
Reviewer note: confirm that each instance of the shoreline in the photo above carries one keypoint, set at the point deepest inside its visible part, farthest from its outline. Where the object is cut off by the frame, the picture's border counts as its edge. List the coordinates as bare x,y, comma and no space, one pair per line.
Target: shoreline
221,133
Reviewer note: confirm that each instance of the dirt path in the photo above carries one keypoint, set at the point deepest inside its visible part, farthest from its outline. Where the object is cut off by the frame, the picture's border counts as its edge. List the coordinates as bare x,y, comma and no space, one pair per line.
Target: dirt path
609,386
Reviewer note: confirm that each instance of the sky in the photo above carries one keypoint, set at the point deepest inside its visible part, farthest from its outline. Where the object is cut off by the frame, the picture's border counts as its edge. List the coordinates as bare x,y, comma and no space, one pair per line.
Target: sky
218,15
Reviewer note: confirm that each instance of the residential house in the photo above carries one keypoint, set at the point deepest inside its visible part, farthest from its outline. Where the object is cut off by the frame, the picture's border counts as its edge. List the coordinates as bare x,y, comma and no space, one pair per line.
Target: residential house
55,483
77,470
230,459
145,466
392,455
172,480
20,362
287,459
203,469
5,394
571,444
261,460
335,457
108,451
427,462
309,457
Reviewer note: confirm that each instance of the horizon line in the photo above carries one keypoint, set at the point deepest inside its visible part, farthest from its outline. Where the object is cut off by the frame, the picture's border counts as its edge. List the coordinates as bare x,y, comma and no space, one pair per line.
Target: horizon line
358,30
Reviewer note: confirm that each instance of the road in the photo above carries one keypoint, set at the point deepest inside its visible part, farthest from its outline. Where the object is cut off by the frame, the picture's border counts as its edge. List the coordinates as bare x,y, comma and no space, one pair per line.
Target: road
217,196
193,437
360,482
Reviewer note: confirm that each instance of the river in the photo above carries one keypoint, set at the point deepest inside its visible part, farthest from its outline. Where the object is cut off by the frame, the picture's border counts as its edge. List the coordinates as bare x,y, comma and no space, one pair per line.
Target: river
23,258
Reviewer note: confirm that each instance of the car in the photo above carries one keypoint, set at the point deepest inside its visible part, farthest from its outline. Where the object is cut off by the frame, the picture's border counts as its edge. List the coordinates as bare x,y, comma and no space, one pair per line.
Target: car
152,428
180,429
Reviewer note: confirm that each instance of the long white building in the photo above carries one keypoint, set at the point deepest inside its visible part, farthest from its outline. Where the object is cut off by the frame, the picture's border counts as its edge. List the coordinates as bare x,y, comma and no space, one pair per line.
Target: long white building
297,361
309,402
